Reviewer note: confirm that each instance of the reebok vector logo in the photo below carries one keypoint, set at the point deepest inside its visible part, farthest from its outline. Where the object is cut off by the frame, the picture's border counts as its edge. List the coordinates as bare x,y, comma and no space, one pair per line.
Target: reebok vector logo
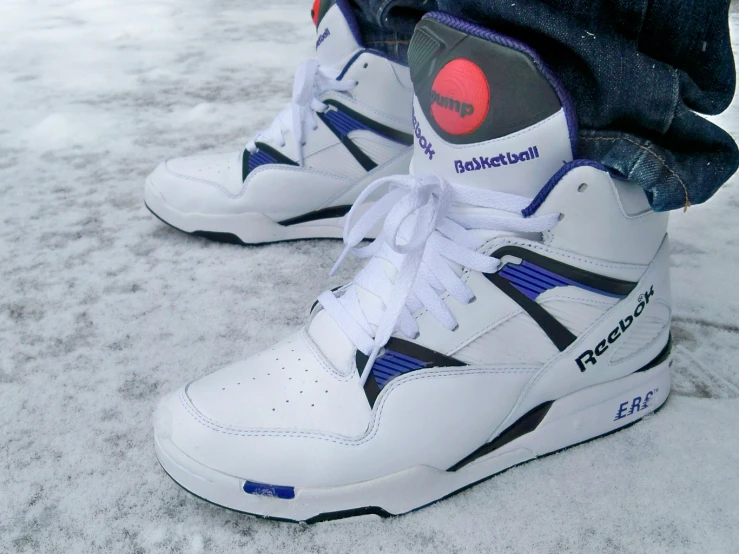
591,356
460,97
423,142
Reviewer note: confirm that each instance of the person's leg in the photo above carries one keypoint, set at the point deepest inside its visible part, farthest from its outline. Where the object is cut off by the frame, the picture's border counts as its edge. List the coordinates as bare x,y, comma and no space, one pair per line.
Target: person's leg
636,71
387,25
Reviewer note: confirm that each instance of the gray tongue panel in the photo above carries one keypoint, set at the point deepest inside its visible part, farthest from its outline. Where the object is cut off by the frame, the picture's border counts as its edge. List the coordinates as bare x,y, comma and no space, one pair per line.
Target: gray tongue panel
487,111
472,89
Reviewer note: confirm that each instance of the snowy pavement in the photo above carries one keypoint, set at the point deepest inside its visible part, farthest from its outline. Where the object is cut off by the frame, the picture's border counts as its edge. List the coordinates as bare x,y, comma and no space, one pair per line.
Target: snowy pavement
103,309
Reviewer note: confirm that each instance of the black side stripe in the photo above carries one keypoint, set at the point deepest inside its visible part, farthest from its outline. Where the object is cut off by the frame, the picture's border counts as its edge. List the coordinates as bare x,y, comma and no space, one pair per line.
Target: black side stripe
586,278
531,419
557,333
388,132
279,157
364,160
325,213
430,357
661,357
524,425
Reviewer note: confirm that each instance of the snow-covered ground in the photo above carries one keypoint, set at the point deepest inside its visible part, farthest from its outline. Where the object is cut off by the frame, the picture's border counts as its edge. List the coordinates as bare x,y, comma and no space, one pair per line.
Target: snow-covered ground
103,309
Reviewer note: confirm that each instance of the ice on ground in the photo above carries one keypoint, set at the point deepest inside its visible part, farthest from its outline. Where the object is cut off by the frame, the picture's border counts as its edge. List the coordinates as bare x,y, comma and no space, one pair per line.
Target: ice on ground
103,309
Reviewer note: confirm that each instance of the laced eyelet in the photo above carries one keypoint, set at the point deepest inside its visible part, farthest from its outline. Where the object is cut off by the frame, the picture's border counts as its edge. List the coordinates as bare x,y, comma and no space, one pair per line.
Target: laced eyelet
472,300
561,217
455,328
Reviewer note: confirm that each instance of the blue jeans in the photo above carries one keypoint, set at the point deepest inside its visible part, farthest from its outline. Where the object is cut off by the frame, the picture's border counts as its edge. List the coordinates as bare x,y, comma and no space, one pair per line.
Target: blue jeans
637,71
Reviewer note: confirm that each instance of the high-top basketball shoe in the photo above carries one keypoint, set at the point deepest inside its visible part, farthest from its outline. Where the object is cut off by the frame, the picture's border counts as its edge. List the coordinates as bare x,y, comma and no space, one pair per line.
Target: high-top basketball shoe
516,303
349,123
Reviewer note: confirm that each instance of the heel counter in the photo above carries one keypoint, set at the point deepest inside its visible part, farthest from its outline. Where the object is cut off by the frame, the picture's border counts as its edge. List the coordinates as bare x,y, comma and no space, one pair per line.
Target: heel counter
650,332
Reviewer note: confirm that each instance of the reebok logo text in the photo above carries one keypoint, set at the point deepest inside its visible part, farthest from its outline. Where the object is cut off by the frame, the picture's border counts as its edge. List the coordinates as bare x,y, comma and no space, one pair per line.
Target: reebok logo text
591,356
427,147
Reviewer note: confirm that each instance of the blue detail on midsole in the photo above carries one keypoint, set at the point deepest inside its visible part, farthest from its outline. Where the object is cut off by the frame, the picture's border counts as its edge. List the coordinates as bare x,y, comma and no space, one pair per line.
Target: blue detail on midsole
274,491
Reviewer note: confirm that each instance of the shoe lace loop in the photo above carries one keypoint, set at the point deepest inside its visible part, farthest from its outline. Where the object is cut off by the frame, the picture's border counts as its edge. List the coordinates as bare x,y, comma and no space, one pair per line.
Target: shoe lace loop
312,79
428,237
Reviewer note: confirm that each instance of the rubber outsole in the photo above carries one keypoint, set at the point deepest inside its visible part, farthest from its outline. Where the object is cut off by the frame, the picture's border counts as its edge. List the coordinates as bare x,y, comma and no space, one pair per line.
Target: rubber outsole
380,512
230,238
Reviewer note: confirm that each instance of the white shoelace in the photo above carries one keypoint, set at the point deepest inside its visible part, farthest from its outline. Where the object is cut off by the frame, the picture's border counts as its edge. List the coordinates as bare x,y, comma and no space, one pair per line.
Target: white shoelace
421,238
311,80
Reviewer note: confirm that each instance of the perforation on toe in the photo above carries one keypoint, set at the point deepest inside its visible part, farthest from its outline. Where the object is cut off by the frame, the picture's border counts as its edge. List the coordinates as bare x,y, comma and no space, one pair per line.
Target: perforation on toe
219,170
283,387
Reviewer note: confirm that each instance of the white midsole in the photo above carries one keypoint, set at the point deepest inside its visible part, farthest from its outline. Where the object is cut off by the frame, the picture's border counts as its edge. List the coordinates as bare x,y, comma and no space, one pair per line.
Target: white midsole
573,419
250,227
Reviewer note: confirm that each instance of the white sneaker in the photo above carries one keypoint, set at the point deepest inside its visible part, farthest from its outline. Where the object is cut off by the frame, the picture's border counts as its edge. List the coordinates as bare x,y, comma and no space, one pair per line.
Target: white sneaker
349,123
515,303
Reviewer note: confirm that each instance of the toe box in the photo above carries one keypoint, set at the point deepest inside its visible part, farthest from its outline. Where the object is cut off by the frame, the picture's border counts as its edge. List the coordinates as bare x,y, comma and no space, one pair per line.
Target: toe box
202,184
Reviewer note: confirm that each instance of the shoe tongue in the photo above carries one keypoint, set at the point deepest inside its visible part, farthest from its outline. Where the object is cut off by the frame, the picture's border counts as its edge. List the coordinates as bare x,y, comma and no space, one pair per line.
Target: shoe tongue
337,32
487,113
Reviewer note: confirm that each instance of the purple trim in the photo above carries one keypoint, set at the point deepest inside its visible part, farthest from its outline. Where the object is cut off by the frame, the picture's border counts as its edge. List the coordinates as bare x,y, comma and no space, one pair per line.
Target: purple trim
556,178
393,364
275,491
533,280
366,51
351,20
349,64
344,123
493,36
260,158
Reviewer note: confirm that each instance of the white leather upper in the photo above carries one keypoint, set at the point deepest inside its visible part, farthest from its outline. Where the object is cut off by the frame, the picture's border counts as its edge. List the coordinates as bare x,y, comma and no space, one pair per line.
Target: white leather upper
289,386
331,176
251,420
612,234
297,415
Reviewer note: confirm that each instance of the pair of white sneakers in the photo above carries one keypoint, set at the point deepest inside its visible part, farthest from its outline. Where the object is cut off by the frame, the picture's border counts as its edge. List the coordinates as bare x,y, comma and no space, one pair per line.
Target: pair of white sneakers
515,301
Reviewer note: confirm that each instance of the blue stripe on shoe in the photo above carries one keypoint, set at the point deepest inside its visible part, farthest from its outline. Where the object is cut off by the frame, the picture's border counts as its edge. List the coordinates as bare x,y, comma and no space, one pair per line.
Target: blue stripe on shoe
399,358
274,491
344,123
260,158
394,364
533,280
